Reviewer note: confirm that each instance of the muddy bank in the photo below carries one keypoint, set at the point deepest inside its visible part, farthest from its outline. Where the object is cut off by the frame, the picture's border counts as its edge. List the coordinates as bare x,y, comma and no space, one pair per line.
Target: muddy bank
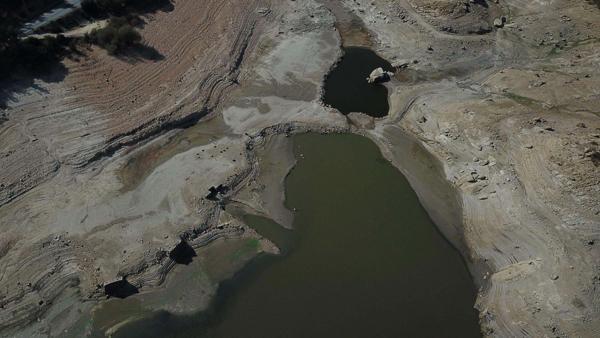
264,192
351,28
59,240
422,169
426,176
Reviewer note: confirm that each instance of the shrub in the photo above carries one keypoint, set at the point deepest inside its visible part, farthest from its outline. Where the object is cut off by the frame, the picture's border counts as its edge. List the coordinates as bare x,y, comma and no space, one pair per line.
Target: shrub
116,36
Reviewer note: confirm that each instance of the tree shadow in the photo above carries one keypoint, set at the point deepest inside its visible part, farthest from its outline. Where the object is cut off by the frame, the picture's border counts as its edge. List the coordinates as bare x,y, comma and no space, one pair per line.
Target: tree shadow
120,289
79,16
140,52
62,4
29,10
23,80
16,77
130,8
162,6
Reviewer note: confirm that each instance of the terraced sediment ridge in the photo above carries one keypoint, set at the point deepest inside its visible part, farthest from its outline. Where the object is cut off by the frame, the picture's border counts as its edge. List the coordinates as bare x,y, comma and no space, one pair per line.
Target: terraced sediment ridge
104,103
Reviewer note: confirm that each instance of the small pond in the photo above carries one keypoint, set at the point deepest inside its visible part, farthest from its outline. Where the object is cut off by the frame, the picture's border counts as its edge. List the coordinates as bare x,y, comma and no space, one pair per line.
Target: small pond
346,87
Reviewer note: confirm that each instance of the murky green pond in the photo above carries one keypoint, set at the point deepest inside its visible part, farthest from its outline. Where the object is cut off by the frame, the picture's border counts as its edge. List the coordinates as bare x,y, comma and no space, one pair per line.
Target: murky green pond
346,87
364,260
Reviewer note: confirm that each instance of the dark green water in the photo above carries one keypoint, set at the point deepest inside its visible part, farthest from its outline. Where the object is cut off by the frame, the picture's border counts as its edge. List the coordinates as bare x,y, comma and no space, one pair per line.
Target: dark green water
346,86
364,260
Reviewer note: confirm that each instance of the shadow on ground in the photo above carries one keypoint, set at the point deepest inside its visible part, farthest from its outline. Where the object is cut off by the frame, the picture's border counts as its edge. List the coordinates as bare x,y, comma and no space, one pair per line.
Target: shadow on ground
20,83
140,52
21,75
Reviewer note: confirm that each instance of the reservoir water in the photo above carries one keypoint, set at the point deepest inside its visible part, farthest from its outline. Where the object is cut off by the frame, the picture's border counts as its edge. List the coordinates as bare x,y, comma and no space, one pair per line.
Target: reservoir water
364,260
346,86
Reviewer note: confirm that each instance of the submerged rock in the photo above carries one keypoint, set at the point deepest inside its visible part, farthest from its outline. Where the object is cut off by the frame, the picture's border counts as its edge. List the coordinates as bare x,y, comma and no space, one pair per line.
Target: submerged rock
379,75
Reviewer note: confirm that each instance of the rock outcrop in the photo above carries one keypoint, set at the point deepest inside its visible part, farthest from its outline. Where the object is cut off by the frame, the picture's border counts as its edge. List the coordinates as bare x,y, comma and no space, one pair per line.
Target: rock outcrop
379,75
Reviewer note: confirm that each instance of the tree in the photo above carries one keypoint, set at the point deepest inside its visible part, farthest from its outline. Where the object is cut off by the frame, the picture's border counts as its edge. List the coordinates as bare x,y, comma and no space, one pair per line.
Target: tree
116,36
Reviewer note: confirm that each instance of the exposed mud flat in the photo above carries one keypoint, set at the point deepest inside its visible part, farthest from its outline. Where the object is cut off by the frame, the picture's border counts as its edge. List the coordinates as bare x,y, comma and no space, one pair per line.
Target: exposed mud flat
506,122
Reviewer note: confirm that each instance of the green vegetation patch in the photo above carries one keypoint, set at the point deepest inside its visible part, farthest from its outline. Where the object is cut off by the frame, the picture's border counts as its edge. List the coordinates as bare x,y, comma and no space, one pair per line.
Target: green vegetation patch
118,35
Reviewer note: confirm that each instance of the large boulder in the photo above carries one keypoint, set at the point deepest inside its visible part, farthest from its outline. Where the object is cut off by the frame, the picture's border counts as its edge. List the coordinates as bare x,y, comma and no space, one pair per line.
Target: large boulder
379,75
